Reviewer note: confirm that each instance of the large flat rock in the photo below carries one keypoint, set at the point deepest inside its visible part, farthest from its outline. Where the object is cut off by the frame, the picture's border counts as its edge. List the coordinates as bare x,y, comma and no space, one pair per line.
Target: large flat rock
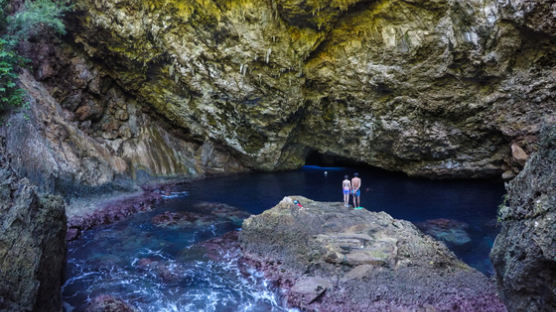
330,258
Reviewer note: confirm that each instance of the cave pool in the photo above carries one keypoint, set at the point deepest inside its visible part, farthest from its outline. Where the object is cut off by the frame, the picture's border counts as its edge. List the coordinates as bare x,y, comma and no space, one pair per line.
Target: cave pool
106,260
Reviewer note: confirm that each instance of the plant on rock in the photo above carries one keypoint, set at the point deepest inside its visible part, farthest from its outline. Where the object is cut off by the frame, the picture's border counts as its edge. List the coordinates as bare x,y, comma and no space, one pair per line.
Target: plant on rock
30,20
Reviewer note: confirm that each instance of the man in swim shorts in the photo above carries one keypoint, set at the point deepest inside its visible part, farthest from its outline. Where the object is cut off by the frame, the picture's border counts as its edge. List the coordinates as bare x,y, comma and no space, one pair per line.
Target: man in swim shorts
356,190
346,187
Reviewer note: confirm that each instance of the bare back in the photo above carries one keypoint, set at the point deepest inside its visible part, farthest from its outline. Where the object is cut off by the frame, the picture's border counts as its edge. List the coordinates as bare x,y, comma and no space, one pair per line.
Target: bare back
346,184
356,183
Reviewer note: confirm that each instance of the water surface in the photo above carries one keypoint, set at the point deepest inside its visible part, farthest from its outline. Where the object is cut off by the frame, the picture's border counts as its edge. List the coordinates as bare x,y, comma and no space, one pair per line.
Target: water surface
110,259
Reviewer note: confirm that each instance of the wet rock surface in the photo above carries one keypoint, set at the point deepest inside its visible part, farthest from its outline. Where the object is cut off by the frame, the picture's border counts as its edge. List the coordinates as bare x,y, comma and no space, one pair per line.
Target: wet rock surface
165,270
330,258
32,245
108,303
524,253
110,212
205,213
452,232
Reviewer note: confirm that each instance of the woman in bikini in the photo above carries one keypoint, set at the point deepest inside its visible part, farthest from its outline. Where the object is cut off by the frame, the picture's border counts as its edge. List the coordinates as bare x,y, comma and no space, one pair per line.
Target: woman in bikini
346,187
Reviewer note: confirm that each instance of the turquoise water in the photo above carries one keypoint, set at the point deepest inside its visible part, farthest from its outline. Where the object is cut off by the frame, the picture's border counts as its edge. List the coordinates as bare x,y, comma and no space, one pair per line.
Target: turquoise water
160,269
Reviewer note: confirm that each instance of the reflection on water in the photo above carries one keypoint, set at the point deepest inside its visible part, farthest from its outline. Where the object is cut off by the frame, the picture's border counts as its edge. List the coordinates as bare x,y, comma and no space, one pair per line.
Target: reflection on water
158,268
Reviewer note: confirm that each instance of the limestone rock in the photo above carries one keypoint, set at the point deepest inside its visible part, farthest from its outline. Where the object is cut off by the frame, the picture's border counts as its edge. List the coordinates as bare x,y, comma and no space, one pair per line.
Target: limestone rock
310,288
519,154
32,244
524,253
508,175
330,258
537,15
431,88
112,150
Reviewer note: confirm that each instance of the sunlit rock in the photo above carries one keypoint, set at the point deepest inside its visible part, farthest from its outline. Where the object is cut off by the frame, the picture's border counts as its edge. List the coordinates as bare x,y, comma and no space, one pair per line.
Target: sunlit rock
431,88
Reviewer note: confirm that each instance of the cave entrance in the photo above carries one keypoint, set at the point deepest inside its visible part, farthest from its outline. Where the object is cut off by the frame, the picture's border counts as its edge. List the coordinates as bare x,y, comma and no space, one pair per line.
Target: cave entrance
315,158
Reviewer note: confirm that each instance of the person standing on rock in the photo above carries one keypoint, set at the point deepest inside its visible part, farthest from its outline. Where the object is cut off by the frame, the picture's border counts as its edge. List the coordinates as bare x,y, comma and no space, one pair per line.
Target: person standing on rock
346,187
356,190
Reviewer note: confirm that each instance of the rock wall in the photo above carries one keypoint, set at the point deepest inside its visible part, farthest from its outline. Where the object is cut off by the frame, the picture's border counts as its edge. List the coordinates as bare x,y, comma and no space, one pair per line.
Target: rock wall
145,90
434,88
524,253
32,244
82,134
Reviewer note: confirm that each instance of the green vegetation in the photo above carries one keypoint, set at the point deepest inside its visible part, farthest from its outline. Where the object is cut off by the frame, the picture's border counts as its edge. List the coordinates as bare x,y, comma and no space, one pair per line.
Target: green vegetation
10,94
35,17
31,19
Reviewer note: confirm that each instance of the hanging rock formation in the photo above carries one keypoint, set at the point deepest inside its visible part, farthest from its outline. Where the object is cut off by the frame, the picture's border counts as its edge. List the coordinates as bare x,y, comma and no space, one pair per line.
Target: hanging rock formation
141,89
524,253
432,88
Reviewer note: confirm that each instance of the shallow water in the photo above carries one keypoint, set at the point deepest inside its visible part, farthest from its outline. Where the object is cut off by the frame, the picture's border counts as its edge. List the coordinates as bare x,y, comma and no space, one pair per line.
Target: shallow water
110,259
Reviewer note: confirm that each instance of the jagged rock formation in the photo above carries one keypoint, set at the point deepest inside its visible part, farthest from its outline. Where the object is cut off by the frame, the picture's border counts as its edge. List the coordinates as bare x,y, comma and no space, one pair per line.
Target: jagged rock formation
434,88
330,258
524,253
103,143
140,90
32,244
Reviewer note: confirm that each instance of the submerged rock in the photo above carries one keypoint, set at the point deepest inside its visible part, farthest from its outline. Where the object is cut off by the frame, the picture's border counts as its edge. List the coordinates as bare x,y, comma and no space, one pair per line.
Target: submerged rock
168,271
32,244
96,213
524,253
204,213
216,249
108,303
452,232
330,258
181,218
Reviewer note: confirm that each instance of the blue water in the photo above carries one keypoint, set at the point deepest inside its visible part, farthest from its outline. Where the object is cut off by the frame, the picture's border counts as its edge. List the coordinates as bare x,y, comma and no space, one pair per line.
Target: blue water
107,260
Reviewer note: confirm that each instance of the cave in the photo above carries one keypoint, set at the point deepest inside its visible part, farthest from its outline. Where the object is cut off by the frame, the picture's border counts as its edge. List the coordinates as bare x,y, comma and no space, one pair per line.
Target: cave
316,158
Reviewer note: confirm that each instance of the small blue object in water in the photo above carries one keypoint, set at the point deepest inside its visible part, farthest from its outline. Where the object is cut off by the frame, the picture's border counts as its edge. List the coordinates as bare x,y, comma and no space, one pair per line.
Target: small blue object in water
174,195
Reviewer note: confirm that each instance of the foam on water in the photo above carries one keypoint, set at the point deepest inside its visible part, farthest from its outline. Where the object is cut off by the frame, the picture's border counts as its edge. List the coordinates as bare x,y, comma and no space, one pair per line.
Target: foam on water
205,286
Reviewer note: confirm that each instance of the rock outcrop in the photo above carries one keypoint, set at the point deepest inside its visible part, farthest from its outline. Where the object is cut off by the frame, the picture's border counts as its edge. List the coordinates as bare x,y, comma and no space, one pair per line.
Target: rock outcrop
74,140
524,253
330,258
32,245
432,88
141,90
